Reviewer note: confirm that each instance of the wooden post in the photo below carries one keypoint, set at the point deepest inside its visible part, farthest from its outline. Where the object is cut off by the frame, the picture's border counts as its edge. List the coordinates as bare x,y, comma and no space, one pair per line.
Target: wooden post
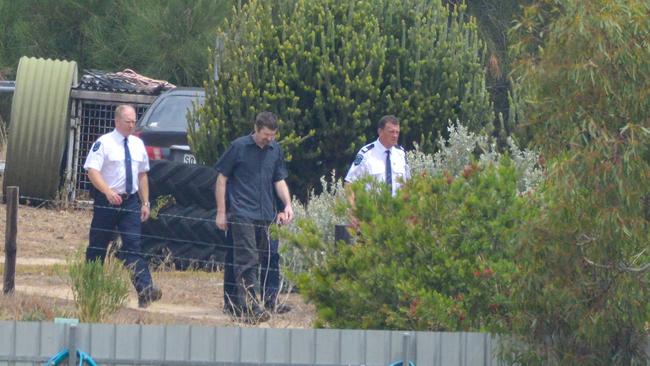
341,233
10,240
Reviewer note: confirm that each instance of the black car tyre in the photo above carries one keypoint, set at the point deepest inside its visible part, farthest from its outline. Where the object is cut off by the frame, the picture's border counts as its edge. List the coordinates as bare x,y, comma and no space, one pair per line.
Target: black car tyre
186,235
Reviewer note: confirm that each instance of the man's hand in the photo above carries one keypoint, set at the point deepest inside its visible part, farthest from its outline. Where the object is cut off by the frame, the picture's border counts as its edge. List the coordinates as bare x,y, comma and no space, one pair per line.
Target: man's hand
113,198
281,219
144,213
288,213
221,221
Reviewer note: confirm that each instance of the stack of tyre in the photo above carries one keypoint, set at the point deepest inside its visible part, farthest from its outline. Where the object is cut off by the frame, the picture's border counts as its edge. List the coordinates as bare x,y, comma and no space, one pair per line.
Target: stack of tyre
183,233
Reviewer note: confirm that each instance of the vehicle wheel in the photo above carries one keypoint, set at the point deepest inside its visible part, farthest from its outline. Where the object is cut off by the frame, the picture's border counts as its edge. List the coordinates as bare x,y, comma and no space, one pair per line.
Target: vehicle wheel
190,236
201,189
160,173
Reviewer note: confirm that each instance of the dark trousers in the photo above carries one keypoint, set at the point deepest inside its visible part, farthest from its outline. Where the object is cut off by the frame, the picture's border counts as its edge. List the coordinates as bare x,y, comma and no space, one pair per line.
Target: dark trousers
269,273
250,238
124,219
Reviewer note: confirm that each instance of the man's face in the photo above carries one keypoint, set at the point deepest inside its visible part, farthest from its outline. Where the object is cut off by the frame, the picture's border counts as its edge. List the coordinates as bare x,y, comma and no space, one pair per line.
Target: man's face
264,136
389,135
125,123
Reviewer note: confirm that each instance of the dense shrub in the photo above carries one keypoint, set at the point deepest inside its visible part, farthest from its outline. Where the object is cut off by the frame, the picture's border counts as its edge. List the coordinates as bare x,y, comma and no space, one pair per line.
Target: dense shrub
452,155
429,259
582,294
436,257
330,69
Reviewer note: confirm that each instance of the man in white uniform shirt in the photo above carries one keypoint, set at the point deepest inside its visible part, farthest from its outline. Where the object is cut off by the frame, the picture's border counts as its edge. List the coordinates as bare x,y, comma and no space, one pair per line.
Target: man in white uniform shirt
121,202
383,159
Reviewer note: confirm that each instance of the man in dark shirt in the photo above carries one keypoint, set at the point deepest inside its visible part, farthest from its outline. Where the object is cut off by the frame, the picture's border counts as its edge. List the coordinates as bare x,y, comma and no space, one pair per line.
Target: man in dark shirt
252,171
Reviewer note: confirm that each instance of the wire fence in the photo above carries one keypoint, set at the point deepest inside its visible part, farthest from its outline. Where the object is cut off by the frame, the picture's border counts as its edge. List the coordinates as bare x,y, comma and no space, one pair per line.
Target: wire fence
201,248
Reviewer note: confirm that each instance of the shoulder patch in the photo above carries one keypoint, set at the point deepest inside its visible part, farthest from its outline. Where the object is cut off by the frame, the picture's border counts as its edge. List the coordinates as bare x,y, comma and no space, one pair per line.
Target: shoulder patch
96,146
358,159
367,148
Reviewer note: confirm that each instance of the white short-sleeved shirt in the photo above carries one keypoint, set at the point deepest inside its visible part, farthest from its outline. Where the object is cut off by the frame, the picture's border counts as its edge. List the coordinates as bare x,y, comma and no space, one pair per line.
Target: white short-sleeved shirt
107,156
371,160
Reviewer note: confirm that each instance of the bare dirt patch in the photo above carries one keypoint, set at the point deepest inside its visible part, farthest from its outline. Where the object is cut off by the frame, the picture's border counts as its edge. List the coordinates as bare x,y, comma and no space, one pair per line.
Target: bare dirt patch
48,237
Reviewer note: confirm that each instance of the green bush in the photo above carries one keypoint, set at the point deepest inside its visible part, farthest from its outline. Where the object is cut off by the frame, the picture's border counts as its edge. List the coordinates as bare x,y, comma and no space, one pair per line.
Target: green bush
582,294
324,210
436,257
161,39
99,289
330,69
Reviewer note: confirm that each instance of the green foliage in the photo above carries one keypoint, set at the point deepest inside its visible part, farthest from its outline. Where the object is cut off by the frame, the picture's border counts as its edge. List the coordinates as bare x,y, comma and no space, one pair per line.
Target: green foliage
324,210
99,289
453,275
582,297
161,202
331,69
48,28
494,18
463,146
582,294
592,71
161,39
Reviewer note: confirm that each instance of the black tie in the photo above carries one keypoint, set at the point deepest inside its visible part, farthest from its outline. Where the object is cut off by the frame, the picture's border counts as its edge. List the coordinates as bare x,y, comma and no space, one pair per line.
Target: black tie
389,172
127,166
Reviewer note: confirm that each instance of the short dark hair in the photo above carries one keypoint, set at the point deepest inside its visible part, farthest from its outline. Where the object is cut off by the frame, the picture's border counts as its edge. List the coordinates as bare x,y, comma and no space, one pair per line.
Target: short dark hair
387,119
266,119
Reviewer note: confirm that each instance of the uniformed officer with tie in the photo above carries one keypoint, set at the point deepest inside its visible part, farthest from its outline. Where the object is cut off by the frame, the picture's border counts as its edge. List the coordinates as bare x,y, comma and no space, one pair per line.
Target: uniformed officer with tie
383,159
117,167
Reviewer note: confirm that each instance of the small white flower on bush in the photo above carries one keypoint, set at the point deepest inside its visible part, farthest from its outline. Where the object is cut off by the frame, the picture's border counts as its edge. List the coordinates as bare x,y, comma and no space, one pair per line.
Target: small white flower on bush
452,156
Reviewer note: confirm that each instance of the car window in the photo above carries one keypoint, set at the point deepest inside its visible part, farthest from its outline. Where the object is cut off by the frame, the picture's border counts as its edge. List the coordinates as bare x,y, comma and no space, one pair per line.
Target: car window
171,115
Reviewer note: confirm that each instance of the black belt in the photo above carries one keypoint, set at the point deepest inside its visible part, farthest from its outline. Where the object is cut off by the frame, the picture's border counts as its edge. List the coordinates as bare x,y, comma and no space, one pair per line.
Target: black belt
126,196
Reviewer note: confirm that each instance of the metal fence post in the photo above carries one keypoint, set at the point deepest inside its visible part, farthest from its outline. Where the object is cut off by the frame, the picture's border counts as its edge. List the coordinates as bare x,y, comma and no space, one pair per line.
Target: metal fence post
11,230
72,344
405,349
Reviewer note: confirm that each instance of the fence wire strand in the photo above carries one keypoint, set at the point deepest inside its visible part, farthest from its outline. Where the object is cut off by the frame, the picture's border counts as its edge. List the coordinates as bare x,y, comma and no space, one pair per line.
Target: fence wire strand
166,257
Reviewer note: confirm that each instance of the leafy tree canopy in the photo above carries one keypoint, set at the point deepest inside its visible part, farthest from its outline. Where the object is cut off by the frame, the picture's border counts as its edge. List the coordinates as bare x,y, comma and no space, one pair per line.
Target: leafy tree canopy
584,76
161,39
331,69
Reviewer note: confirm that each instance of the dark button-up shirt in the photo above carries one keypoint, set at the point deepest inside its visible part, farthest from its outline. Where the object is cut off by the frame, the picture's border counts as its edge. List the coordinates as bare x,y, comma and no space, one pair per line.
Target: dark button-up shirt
252,172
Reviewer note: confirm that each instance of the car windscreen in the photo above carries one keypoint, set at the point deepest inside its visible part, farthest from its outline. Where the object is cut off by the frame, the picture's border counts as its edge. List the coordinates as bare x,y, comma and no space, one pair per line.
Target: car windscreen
172,114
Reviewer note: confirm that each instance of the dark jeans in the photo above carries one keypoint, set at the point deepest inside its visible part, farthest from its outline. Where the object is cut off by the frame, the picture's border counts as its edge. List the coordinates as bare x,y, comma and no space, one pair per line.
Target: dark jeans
269,273
250,247
126,220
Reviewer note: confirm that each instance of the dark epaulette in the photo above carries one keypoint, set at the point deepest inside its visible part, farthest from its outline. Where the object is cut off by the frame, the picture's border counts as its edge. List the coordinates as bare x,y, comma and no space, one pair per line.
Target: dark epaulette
399,147
367,148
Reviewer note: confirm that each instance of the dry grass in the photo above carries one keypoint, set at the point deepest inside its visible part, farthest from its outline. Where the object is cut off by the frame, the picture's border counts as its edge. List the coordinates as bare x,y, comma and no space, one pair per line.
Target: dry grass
50,236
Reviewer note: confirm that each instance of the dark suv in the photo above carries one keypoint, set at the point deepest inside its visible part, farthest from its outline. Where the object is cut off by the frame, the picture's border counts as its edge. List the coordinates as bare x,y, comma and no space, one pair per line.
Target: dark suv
163,127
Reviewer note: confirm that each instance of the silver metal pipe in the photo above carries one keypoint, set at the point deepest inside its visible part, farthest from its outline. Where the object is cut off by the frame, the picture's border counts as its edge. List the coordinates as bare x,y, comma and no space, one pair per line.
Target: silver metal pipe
7,86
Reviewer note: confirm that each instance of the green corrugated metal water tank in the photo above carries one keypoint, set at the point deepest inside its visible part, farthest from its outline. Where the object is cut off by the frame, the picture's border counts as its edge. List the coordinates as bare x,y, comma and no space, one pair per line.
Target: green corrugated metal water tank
39,126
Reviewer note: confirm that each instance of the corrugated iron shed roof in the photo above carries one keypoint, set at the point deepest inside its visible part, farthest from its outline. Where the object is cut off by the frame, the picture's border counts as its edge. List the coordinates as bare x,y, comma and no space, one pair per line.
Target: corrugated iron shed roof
38,130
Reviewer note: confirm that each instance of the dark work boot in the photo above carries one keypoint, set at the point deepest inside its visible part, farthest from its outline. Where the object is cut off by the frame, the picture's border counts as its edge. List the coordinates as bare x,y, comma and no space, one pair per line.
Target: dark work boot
148,296
278,308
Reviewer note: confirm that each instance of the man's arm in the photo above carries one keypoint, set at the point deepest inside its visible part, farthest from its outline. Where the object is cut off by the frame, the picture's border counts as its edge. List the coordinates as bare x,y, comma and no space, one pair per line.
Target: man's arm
282,190
143,192
220,196
98,182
